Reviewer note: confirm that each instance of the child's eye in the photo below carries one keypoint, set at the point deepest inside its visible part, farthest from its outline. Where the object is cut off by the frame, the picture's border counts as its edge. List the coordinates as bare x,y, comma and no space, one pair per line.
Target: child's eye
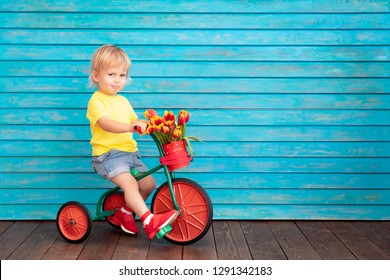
123,75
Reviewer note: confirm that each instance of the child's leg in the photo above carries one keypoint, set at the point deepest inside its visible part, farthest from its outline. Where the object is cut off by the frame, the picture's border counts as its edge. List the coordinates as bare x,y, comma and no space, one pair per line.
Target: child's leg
146,186
130,187
153,224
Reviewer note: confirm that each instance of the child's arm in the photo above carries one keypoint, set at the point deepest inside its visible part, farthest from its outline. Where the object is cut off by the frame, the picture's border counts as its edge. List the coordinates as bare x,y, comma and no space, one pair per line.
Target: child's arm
112,126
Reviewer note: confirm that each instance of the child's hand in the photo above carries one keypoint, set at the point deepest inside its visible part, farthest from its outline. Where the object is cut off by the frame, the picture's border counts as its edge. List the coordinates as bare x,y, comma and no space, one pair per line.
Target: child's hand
140,126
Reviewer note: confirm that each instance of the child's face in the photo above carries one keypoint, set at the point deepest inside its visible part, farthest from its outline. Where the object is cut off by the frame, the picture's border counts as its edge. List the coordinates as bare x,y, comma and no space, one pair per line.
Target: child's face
111,80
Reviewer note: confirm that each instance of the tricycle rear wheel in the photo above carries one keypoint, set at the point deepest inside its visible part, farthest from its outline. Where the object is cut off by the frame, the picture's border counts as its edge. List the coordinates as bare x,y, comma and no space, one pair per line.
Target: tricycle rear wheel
113,202
74,222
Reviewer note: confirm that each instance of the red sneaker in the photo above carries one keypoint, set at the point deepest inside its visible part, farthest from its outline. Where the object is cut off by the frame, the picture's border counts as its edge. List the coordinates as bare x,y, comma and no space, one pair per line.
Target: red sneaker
158,222
125,220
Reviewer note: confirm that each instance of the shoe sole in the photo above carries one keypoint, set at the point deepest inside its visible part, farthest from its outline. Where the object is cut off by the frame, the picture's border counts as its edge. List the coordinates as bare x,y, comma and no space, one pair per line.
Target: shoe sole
128,231
117,223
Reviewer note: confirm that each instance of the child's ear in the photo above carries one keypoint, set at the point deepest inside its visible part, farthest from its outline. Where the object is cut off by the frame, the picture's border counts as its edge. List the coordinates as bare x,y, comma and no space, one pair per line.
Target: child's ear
94,76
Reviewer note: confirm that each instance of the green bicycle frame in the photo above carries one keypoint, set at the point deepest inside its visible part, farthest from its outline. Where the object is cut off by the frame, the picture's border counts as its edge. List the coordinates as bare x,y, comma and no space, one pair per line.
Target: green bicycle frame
169,175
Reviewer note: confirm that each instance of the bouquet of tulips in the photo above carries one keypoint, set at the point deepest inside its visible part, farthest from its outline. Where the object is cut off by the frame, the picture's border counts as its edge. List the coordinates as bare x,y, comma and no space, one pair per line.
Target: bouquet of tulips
169,128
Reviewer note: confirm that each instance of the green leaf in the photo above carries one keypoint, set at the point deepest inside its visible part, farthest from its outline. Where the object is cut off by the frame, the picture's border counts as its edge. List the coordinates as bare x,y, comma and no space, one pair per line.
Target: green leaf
196,139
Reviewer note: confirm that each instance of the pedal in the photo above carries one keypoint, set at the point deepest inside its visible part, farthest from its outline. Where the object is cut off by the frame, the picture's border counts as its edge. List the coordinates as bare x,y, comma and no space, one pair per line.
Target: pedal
163,231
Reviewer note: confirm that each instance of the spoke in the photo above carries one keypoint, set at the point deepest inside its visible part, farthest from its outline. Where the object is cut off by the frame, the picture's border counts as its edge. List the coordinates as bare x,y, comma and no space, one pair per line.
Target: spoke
182,232
197,212
198,220
80,230
195,226
184,198
197,205
81,225
167,198
64,219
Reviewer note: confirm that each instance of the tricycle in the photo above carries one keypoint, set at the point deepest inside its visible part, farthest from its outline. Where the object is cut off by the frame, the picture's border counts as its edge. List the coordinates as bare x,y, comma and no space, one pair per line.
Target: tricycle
74,220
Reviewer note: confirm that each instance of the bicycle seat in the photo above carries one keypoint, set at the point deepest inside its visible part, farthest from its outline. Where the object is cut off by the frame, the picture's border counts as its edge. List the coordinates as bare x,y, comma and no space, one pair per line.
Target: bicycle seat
134,172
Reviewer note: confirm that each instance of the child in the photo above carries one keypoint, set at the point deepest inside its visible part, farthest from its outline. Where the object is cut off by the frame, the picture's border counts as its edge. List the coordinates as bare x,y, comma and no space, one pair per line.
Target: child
114,151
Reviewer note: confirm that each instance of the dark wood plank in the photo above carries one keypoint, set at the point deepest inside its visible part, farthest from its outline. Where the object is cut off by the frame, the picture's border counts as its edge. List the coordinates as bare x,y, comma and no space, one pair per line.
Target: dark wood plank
161,249
35,246
102,242
292,241
230,241
30,240
362,247
15,235
132,247
376,232
4,225
324,241
203,249
62,250
261,242
386,224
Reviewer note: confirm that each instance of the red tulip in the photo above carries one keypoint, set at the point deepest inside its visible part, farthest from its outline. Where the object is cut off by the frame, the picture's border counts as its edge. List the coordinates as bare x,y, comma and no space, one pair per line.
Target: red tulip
169,119
184,117
149,113
166,130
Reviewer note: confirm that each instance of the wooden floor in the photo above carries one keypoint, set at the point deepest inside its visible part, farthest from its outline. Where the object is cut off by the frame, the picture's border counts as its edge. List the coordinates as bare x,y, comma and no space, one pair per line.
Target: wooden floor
235,240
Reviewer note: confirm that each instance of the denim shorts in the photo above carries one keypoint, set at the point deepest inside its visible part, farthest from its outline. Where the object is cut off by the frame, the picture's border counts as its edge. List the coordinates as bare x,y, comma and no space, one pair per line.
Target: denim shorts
114,162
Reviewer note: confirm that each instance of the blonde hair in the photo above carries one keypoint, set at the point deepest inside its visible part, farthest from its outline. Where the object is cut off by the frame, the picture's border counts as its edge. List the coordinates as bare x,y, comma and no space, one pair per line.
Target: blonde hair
108,56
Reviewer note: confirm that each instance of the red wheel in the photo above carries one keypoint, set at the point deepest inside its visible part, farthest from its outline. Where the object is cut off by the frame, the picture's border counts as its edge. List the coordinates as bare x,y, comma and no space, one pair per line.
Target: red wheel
113,202
74,222
195,206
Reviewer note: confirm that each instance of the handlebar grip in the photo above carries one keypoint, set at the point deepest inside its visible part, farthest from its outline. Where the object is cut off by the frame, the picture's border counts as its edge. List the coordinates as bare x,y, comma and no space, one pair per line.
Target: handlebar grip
138,129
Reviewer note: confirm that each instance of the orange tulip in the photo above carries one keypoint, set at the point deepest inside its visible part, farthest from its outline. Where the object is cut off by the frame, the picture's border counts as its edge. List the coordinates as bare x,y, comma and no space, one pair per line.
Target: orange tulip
177,132
149,129
157,123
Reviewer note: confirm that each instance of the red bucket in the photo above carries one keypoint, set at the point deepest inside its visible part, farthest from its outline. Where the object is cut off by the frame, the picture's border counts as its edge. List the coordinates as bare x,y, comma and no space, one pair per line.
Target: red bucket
176,155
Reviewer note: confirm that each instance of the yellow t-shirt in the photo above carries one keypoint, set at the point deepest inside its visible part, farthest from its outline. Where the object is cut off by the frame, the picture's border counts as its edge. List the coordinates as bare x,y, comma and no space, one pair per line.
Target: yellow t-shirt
118,108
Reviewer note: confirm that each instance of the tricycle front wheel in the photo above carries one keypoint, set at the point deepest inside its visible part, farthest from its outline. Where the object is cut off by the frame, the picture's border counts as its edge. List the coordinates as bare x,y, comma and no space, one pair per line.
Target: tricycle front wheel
195,206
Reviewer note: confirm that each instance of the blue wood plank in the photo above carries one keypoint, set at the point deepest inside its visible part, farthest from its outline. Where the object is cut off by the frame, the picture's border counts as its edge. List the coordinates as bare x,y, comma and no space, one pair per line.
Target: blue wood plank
210,149
195,37
261,133
49,100
231,196
216,180
203,6
212,117
314,212
193,21
205,69
216,133
207,85
227,165
203,53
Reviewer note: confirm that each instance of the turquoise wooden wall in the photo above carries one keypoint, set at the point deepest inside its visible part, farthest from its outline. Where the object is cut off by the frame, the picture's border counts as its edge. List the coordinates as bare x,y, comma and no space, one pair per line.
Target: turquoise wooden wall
292,98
